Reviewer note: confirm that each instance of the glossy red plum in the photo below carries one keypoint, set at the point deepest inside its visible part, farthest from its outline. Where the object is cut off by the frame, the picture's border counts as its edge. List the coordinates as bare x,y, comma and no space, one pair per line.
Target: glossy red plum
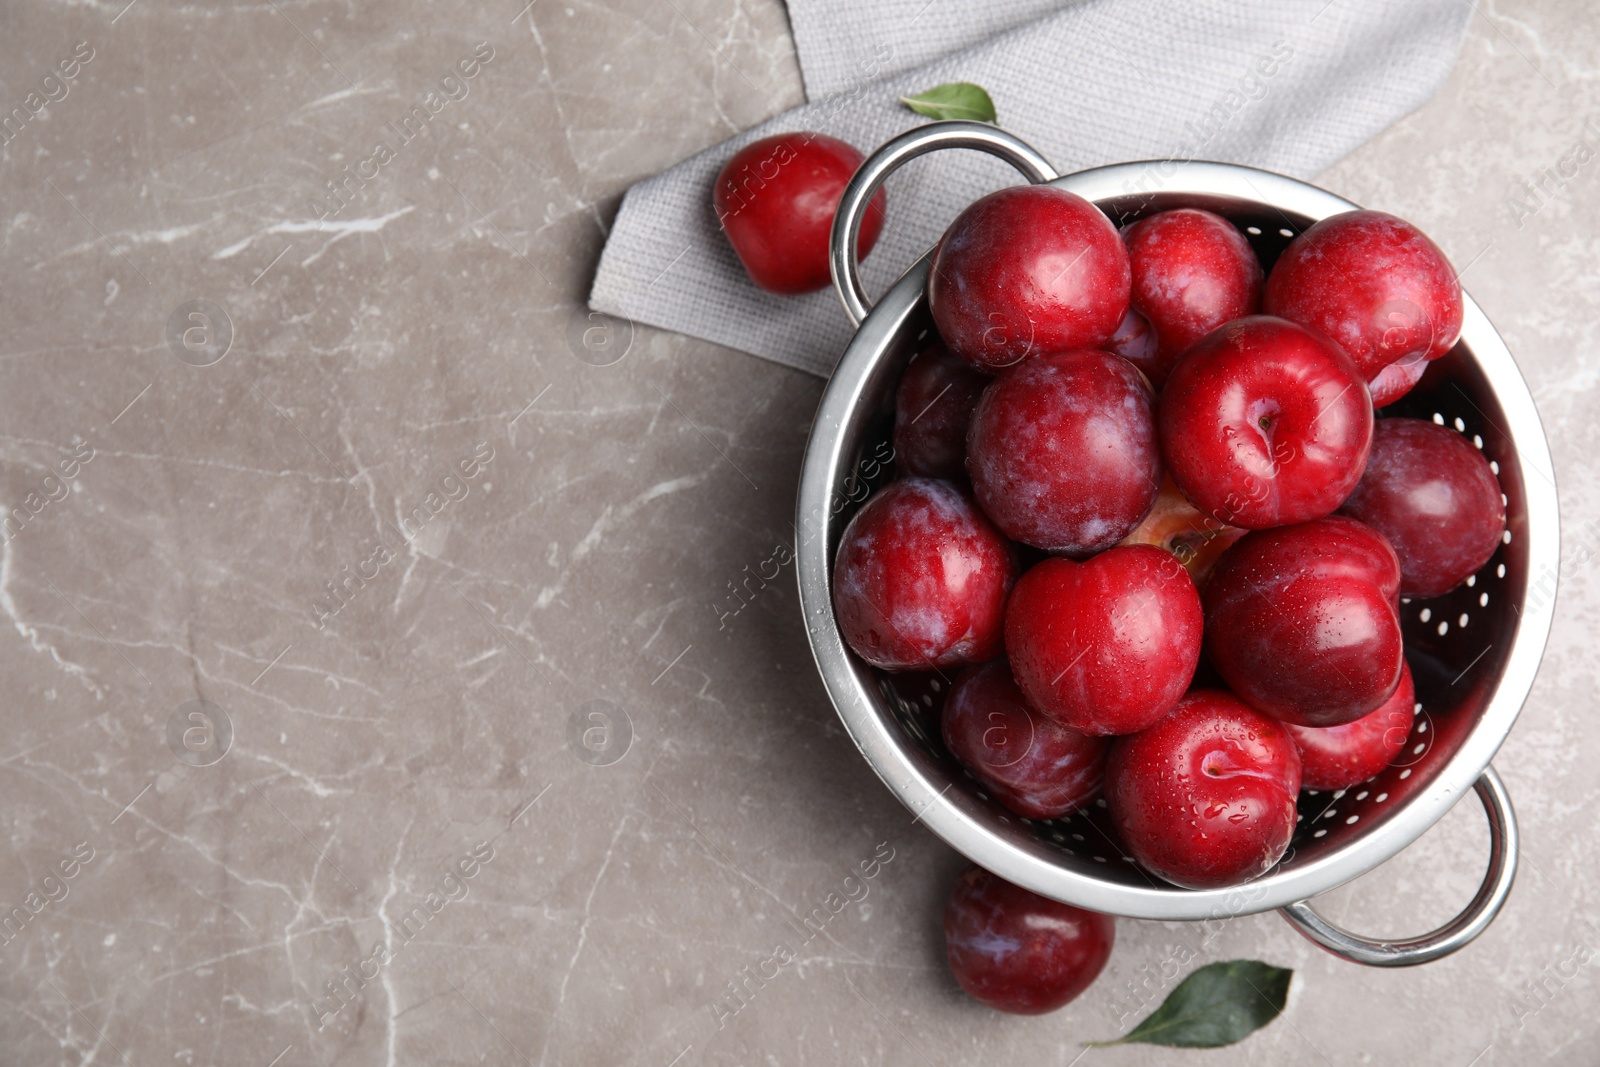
1302,623
1192,271
1264,423
776,199
1205,798
1434,496
1338,757
1372,282
1027,270
1109,645
1017,951
1062,451
932,410
921,579
1029,762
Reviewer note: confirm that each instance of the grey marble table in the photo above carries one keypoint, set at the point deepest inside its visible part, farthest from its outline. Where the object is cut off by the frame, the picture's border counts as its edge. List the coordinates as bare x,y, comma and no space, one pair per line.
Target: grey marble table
338,538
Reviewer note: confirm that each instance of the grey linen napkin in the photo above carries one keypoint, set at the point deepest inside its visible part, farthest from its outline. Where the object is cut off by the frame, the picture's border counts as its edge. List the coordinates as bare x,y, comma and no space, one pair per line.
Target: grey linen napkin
1289,85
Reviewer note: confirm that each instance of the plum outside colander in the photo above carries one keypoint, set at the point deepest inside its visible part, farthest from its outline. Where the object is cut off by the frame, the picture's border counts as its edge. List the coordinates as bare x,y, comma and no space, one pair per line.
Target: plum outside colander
1473,652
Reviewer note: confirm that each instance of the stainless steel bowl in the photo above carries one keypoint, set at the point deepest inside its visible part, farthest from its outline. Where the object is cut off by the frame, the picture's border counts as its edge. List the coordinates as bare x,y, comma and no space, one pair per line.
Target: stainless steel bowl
1473,652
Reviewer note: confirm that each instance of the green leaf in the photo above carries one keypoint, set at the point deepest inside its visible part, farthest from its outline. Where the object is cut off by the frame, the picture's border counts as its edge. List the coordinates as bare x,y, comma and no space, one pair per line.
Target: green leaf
955,100
1217,1005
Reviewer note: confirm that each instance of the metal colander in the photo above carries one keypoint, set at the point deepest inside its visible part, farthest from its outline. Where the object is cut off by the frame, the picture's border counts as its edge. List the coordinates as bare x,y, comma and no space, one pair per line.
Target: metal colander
1473,652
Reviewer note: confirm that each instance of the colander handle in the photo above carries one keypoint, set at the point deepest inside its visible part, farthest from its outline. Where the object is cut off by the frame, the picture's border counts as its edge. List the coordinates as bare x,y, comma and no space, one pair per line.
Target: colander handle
1456,933
846,237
